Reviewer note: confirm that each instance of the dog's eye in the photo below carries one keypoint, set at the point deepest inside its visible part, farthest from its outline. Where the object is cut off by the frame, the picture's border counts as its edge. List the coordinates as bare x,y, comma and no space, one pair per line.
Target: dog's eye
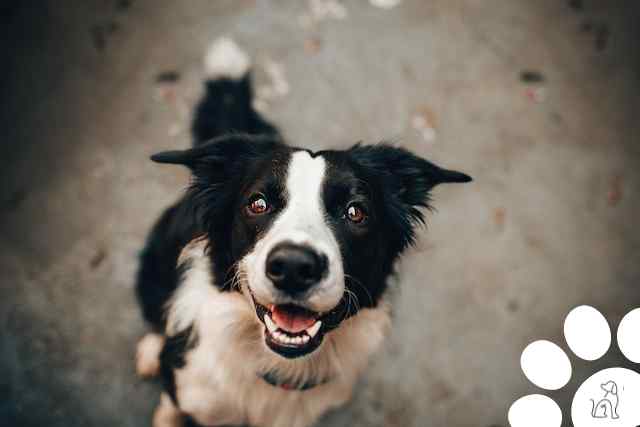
258,205
356,214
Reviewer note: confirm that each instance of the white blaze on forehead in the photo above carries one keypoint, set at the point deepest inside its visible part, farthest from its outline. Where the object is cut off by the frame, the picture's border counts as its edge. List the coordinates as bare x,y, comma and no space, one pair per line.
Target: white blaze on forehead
304,185
303,219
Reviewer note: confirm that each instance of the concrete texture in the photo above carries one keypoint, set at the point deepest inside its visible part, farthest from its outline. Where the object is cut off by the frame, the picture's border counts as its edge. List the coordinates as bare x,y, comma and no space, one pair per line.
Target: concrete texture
549,223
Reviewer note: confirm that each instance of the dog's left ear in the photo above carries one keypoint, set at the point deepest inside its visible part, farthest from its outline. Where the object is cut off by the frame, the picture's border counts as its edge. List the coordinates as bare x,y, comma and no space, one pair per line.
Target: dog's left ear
405,178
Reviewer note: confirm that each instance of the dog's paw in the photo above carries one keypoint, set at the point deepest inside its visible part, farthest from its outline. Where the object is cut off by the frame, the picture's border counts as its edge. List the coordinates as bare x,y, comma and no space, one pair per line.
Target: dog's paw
166,414
148,355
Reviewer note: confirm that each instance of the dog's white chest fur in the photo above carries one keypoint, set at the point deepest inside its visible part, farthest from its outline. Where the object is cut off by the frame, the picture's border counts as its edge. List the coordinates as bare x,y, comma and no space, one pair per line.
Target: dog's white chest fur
220,383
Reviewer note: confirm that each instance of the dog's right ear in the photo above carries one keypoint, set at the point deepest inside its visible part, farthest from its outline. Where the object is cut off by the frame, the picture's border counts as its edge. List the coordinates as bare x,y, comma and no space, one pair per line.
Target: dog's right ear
217,166
174,157
218,156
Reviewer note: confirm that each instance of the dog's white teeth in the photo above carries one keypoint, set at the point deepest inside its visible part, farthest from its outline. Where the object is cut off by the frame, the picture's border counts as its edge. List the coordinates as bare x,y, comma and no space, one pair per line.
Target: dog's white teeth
271,326
284,338
280,337
313,330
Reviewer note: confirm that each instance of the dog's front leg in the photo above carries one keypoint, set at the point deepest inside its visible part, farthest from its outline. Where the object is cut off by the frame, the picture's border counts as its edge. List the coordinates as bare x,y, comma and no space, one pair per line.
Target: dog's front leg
167,414
148,355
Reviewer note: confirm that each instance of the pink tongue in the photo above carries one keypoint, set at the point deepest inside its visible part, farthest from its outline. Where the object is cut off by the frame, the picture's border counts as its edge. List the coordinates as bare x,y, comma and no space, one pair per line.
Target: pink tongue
292,320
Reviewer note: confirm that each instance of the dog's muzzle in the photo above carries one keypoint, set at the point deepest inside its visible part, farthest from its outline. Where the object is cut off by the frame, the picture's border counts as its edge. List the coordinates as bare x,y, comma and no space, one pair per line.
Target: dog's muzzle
292,326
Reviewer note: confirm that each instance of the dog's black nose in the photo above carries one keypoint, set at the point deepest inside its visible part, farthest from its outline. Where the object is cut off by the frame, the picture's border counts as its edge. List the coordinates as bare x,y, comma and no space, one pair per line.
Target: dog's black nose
294,269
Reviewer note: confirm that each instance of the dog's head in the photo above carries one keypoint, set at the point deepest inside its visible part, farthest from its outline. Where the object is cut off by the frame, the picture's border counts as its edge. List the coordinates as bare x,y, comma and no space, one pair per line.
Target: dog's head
610,387
309,238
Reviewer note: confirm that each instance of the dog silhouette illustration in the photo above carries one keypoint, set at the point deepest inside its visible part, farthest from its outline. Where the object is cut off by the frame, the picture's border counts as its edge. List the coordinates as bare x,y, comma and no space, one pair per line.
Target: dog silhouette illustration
607,407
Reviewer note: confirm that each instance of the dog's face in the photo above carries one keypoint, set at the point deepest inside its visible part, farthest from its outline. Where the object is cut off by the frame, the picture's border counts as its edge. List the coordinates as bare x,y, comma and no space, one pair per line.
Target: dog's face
309,238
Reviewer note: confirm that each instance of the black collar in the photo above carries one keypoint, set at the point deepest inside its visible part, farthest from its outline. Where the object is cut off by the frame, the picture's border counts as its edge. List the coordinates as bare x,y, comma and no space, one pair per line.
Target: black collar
274,380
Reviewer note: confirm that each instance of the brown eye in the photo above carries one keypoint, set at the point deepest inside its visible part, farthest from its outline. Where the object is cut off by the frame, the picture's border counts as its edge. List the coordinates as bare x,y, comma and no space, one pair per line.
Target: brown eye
258,205
356,214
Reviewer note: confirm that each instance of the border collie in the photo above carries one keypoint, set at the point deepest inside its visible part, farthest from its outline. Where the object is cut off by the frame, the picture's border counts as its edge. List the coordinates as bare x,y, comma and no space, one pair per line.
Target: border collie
265,283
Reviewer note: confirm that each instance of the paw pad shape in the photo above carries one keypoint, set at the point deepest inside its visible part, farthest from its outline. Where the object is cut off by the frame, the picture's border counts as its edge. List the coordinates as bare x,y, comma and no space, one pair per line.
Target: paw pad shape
609,397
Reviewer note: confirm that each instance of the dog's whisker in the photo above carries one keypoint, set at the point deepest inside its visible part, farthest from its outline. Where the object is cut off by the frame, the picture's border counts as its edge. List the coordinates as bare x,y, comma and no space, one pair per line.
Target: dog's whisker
351,298
359,283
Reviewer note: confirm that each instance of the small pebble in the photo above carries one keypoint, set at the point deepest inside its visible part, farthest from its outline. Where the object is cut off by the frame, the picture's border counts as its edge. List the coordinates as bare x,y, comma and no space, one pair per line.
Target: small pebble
576,4
587,26
602,37
312,45
531,76
499,215
97,258
170,76
123,4
614,195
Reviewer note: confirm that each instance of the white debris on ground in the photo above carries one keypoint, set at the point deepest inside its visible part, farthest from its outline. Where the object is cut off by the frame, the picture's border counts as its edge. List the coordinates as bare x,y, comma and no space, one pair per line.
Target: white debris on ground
312,45
385,4
536,94
320,10
424,121
277,87
174,130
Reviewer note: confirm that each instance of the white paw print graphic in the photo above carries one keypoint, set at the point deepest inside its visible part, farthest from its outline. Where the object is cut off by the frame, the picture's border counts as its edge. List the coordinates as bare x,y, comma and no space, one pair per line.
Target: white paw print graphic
608,398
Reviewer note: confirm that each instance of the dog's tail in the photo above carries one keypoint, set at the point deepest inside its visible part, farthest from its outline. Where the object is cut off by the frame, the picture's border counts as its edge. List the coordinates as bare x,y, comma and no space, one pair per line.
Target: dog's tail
227,103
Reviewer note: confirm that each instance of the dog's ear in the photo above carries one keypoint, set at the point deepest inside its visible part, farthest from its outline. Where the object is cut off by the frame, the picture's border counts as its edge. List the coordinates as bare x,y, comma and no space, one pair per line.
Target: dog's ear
217,167
219,150
382,156
219,157
174,157
412,177
610,387
406,180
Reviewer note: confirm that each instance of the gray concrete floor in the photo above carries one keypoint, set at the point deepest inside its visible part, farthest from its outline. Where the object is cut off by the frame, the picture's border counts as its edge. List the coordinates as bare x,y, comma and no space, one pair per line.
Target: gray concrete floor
549,223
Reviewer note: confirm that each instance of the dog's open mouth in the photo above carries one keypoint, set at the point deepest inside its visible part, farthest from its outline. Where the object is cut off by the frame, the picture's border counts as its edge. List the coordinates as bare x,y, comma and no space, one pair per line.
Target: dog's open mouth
293,331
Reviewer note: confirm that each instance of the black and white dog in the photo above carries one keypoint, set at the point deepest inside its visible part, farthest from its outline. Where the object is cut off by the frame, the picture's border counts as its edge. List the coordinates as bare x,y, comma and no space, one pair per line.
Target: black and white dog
265,282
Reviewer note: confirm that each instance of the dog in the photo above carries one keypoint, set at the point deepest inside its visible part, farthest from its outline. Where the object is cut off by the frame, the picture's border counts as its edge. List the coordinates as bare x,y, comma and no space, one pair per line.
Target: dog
265,283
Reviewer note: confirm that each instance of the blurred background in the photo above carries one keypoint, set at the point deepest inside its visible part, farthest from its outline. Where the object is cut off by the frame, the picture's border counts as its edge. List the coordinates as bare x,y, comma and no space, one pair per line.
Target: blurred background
537,100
